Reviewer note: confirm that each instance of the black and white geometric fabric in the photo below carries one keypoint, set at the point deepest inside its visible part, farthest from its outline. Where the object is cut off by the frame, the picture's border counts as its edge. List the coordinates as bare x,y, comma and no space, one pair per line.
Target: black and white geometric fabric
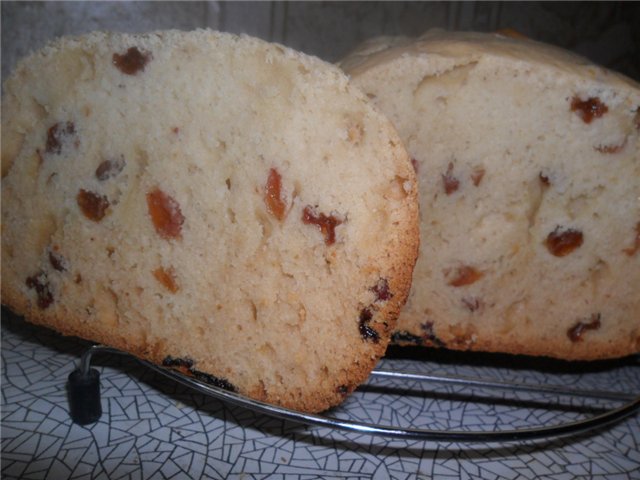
152,427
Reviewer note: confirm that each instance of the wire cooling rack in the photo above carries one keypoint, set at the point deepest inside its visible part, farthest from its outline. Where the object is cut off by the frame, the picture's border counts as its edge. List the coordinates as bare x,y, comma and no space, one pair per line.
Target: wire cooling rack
412,399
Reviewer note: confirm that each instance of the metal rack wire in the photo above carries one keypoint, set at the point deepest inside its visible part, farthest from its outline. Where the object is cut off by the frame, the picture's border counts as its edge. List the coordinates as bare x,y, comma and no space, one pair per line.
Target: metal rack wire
619,405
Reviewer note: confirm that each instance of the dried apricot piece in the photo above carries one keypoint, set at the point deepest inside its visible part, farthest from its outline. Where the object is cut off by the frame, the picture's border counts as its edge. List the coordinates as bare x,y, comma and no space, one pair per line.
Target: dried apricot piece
273,195
167,277
326,223
465,275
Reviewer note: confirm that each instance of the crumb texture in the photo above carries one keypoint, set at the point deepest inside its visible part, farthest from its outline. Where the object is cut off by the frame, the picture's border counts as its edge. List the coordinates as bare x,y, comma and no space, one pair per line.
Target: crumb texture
528,163
213,199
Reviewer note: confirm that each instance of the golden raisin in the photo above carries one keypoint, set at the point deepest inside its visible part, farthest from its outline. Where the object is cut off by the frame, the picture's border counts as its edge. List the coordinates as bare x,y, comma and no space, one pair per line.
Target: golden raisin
562,242
477,175
326,224
465,275
273,195
167,277
575,333
93,206
588,109
450,182
636,245
165,214
132,61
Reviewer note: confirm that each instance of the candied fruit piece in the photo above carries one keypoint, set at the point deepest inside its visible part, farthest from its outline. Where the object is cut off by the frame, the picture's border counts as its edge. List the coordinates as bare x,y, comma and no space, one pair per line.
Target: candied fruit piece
110,169
477,174
366,332
381,290
131,62
167,278
165,214
326,224
56,135
636,245
450,182
273,195
465,275
562,242
575,333
40,284
588,109
93,206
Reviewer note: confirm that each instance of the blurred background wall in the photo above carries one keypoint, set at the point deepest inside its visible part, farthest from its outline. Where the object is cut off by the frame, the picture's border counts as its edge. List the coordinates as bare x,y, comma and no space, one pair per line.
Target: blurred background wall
606,32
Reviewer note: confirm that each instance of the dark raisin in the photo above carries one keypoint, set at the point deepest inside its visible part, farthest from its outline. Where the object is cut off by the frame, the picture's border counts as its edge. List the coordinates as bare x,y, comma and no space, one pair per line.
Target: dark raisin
40,284
92,205
429,336
273,195
342,390
57,261
131,62
366,332
213,380
450,182
56,135
405,337
110,169
575,333
381,289
562,242
472,303
588,109
165,214
326,224
544,180
170,361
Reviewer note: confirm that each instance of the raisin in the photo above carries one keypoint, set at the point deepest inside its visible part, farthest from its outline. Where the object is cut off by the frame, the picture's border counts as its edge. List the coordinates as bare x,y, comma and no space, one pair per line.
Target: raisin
167,278
273,195
213,380
575,333
131,62
544,180
326,224
450,182
477,175
611,149
56,135
40,284
465,275
57,261
110,169
429,336
472,303
165,214
381,289
185,362
405,337
636,119
562,242
415,164
342,390
636,246
93,206
589,109
366,332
